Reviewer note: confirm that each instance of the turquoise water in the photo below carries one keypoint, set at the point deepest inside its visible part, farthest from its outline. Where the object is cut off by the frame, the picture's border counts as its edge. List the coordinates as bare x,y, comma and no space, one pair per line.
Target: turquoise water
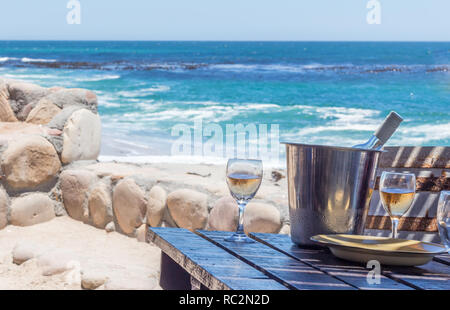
324,92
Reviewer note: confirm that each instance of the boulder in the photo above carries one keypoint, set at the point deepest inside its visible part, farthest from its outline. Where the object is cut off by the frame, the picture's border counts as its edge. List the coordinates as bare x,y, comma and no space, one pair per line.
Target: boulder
285,230
4,203
156,205
26,110
129,205
81,137
31,209
91,280
43,113
14,131
60,119
100,205
261,218
224,215
22,94
29,162
141,232
6,113
188,208
74,187
110,227
74,96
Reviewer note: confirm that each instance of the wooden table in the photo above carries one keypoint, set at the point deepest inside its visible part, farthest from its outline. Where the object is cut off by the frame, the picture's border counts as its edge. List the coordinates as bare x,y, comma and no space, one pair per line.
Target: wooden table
203,260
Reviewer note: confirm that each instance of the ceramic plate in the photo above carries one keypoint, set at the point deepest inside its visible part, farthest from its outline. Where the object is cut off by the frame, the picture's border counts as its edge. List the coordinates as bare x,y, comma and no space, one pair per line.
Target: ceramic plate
387,251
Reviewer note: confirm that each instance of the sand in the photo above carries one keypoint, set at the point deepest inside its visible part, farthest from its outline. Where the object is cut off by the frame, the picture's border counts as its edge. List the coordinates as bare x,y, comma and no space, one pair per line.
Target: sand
126,262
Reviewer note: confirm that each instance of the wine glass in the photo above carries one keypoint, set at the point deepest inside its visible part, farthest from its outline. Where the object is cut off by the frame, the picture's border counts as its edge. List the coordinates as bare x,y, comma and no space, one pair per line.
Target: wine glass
244,177
397,194
443,218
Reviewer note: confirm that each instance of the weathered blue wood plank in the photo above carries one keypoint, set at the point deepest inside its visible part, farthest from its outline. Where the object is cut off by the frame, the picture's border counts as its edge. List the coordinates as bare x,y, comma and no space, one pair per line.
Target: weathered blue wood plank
348,272
431,276
212,266
285,269
444,259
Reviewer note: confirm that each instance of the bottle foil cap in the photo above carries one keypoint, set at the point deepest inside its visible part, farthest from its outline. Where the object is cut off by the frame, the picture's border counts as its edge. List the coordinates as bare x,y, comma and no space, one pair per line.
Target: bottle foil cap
388,127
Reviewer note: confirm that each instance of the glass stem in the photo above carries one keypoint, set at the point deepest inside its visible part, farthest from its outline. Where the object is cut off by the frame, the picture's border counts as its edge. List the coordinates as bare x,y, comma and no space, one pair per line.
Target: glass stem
241,205
394,228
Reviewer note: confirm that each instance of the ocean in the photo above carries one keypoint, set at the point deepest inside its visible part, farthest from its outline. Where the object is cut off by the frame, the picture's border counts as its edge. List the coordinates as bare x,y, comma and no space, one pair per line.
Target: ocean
334,93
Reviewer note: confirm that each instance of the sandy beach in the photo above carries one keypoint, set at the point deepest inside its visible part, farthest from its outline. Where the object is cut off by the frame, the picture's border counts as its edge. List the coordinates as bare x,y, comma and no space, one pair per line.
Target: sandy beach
125,262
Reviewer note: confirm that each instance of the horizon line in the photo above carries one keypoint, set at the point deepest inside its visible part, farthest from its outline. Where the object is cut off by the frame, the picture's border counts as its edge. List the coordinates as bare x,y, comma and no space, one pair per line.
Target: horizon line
172,40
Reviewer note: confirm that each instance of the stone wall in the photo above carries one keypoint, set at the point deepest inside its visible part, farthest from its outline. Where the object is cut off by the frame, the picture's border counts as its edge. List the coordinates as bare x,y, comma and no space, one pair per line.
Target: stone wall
49,143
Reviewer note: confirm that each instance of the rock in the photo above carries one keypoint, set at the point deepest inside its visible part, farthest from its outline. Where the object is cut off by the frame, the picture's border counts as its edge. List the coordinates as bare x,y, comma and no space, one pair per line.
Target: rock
30,162
57,261
57,124
74,96
26,110
110,227
100,205
14,131
285,230
129,205
60,119
131,283
22,94
141,232
91,280
74,187
224,215
4,203
81,137
24,251
6,113
261,218
31,209
276,175
156,205
188,208
43,112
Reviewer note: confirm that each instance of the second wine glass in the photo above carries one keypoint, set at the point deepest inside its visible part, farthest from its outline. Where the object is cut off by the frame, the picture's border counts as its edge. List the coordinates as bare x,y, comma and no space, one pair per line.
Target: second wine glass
243,178
397,194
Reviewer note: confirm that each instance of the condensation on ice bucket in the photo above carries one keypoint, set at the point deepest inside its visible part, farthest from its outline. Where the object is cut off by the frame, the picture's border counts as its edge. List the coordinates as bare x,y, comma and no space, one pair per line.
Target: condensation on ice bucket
329,189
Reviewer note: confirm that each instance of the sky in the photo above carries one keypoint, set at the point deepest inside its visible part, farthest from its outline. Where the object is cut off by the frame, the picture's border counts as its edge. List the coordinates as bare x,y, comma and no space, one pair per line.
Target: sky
248,20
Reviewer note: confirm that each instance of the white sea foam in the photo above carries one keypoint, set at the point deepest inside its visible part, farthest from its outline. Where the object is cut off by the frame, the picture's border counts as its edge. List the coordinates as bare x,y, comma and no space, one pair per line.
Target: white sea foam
234,67
34,77
5,59
25,59
96,78
158,88
422,134
336,121
144,92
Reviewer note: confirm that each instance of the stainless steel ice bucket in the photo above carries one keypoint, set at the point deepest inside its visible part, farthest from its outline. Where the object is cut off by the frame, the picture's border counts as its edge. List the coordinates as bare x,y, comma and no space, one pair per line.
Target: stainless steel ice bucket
329,189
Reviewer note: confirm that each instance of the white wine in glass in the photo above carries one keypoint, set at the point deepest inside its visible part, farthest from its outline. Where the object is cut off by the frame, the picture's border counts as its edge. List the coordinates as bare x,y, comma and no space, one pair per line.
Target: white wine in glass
244,177
443,218
397,201
397,192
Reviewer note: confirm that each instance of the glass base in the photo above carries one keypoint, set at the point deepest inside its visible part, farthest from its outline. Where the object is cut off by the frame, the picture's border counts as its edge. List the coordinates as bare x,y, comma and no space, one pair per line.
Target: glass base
241,238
